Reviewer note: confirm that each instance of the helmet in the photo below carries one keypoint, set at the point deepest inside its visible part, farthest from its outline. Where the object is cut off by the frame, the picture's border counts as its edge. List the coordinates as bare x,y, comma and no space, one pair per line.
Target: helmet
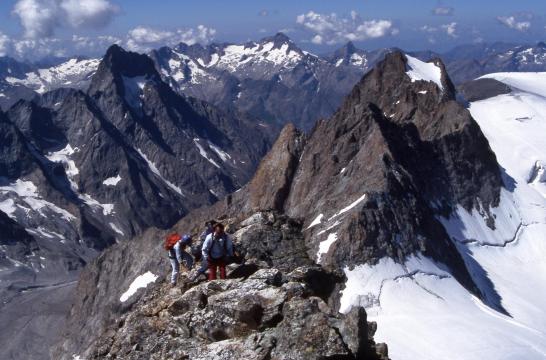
186,238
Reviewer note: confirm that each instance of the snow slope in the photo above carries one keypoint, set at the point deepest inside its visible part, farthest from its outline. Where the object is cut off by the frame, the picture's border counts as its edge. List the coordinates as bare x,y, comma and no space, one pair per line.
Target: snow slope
422,71
71,73
421,310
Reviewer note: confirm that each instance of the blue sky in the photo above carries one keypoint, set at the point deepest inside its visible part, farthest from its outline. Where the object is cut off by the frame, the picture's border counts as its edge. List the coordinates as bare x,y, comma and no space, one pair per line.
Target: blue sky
37,28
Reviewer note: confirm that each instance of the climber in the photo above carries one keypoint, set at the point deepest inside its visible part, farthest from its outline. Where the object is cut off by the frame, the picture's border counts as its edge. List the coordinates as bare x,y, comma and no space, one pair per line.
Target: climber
176,246
197,252
217,249
209,228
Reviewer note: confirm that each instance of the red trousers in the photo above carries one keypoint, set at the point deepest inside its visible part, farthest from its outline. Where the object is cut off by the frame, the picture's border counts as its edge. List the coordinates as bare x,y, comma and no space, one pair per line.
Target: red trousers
213,265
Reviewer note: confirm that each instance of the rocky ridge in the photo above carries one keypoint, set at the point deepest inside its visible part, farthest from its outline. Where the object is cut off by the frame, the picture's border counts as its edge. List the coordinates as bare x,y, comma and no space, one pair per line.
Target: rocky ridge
266,315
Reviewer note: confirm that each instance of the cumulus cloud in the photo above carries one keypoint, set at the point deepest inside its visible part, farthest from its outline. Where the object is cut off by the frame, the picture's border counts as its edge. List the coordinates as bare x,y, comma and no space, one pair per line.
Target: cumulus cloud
38,17
88,13
41,18
144,38
333,29
513,23
39,48
443,11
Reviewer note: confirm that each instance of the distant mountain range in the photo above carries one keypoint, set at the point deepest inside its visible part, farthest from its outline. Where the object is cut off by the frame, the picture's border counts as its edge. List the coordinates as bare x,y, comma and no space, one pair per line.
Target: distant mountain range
271,79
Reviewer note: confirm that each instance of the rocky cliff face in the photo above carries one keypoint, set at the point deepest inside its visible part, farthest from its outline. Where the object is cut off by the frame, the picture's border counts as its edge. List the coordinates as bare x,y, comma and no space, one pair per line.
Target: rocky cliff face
401,150
367,185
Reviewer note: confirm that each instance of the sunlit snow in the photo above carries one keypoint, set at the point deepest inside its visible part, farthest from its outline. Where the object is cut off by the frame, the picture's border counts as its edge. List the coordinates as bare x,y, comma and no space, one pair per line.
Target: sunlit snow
140,282
324,246
317,221
155,170
349,207
203,153
420,70
112,181
28,193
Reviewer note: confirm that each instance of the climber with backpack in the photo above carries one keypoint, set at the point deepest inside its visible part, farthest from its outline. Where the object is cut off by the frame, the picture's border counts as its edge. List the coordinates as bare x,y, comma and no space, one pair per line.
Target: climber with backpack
176,248
217,250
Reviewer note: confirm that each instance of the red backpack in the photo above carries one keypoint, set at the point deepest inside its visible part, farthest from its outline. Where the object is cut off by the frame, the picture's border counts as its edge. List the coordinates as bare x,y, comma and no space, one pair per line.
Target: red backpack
171,240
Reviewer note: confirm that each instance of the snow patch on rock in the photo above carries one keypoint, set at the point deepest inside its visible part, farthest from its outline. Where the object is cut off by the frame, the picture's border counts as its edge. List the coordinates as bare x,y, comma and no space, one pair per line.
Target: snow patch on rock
8,207
27,192
134,87
63,157
324,246
116,229
142,281
222,154
155,170
419,70
203,153
349,207
112,181
317,221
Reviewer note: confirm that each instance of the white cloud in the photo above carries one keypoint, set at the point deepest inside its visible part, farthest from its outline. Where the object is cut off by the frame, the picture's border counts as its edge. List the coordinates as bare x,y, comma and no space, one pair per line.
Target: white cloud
32,49
35,49
5,43
443,11
40,18
94,44
333,29
512,23
145,38
429,29
88,13
450,29
317,39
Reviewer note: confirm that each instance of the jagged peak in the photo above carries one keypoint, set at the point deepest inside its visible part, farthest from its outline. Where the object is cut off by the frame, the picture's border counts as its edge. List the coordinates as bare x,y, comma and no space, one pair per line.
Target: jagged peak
271,184
280,39
127,63
349,48
402,66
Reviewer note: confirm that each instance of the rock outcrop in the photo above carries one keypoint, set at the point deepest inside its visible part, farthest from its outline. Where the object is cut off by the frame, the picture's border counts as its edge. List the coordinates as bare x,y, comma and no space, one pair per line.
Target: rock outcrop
267,315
